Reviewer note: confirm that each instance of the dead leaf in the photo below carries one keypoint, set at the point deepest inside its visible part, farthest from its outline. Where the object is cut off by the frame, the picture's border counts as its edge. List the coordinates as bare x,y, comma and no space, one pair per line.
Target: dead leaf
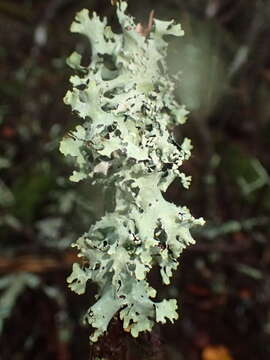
218,352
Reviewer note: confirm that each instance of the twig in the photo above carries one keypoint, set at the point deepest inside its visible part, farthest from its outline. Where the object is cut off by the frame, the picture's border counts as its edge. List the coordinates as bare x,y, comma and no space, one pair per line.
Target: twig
144,31
16,11
37,264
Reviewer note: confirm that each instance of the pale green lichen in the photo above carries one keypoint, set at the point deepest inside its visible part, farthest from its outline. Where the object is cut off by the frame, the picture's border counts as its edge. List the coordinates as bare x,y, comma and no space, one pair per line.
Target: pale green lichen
125,97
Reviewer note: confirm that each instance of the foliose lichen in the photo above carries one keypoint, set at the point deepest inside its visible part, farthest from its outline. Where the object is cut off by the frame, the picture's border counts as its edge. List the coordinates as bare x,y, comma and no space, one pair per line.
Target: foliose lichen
125,99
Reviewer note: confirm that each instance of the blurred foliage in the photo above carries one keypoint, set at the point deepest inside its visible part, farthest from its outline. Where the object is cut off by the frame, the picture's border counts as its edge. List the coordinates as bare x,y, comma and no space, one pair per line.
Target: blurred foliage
223,286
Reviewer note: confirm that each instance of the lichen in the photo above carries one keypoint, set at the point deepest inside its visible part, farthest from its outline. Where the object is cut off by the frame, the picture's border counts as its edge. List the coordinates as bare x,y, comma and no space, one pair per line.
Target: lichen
125,98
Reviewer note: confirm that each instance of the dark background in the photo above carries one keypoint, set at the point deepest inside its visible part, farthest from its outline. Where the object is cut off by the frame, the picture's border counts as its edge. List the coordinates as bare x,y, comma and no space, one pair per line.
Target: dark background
223,284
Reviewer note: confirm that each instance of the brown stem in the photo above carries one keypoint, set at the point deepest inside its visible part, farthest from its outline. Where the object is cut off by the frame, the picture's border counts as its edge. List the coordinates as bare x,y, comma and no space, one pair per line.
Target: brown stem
37,264
144,31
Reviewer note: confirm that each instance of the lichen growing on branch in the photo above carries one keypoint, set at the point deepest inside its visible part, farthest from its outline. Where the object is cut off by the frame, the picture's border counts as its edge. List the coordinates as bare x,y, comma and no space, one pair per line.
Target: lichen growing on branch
125,98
